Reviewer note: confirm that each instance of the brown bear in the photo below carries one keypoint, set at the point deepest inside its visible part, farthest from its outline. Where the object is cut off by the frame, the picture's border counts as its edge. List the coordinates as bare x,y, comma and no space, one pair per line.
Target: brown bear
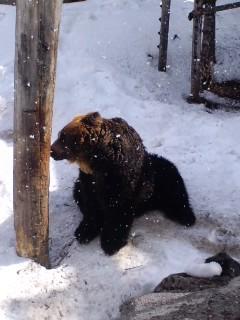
118,179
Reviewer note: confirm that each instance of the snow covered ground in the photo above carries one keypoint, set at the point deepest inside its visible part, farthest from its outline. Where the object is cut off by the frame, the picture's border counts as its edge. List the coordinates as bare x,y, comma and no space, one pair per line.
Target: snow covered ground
108,62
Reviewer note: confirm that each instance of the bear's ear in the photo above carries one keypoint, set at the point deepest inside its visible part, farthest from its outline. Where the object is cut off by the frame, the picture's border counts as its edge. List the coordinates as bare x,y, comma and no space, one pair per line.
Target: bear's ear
91,118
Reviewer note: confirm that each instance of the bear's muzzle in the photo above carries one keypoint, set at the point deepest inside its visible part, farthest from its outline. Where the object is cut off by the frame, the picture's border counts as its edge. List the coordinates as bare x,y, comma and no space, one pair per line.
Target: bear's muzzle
58,151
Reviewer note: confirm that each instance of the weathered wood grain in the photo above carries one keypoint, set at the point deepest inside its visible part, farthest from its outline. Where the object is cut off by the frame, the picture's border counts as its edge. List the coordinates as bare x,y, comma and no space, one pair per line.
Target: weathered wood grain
196,53
37,28
13,2
208,46
166,4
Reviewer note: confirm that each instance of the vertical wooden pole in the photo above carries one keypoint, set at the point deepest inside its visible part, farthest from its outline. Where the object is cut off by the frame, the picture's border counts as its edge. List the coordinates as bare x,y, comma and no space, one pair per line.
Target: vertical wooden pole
196,53
213,32
37,28
163,47
208,46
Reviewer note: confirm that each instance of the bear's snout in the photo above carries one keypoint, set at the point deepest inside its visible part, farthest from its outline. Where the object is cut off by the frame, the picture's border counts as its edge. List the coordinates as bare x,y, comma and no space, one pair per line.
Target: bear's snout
58,152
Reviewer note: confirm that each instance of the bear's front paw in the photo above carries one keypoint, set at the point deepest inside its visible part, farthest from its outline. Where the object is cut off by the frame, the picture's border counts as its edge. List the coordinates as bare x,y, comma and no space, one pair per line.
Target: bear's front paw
86,232
112,245
188,218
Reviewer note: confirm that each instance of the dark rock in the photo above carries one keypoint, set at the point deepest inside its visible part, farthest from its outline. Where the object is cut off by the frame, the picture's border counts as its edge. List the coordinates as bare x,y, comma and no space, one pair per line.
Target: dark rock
180,296
230,267
215,304
181,282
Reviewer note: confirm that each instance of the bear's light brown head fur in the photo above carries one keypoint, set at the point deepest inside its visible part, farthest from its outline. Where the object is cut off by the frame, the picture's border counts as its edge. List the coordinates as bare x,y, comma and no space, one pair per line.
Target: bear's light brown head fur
75,138
92,141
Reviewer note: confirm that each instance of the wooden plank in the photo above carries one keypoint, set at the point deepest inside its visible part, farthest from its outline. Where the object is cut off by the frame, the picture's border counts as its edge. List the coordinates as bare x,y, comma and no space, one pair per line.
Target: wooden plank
9,2
196,54
69,1
13,2
213,9
163,47
37,28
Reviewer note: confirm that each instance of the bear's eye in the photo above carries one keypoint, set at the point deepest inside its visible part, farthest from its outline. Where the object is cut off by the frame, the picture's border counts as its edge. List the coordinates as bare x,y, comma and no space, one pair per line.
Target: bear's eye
62,137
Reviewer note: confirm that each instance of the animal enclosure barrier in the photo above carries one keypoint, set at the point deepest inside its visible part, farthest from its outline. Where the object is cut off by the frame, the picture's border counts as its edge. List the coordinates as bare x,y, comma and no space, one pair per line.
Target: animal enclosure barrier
203,44
203,47
13,2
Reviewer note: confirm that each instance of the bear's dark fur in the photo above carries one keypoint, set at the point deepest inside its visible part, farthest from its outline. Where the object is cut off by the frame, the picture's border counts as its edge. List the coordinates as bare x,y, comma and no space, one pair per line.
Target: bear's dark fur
118,179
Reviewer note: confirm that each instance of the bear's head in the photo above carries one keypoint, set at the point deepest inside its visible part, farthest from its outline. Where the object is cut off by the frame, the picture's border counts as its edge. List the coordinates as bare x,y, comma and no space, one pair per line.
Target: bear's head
77,140
96,143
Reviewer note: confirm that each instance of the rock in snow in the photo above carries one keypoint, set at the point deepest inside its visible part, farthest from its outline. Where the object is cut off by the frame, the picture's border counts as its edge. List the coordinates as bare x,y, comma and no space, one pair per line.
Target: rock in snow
181,296
215,304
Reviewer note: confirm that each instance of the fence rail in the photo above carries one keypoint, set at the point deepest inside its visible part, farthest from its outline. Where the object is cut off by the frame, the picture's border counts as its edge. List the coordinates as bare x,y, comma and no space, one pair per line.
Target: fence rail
13,2
214,9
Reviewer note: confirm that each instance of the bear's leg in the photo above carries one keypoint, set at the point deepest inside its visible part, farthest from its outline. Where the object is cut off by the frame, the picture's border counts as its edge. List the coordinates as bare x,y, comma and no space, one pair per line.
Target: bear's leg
115,231
90,227
85,197
170,194
175,205
87,230
180,212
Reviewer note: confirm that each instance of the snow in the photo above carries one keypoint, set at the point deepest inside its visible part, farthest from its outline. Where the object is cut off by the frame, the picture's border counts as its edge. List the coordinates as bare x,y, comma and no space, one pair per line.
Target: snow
107,62
204,270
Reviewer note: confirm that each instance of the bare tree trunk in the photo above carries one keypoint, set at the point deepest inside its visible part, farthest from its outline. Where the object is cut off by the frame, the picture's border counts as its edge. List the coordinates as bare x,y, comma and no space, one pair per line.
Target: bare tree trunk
196,53
37,28
164,35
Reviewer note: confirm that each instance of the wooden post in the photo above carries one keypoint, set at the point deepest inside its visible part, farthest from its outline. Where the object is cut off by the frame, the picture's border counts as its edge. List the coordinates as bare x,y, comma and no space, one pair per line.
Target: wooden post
196,53
37,28
164,35
208,45
212,22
